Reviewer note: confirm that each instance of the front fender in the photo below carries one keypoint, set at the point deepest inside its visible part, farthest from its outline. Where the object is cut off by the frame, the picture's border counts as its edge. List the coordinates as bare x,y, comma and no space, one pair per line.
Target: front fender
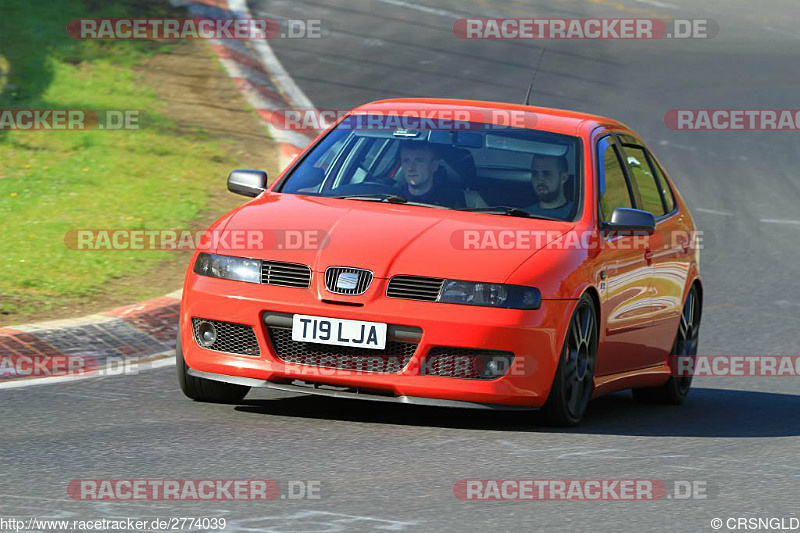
563,269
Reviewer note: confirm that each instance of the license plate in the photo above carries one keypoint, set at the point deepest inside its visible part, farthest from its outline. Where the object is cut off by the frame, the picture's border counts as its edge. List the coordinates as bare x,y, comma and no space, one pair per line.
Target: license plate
323,330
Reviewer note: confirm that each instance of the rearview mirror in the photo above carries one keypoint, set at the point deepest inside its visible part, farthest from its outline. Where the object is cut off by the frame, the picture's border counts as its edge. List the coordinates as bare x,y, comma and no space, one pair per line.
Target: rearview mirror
630,220
247,182
515,144
467,139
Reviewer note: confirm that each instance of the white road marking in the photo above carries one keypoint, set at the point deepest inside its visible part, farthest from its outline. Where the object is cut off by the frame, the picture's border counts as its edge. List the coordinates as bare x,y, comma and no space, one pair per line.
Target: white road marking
589,452
664,142
423,9
779,221
713,212
688,148
88,320
785,33
105,505
297,98
89,396
135,368
175,294
318,521
519,448
603,454
656,3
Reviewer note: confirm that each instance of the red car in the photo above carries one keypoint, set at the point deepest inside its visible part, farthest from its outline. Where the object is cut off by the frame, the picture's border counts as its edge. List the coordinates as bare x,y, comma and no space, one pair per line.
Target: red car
450,253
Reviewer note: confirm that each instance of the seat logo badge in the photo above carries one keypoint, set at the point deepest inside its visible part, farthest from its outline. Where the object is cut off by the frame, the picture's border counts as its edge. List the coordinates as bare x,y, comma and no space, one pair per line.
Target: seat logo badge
347,281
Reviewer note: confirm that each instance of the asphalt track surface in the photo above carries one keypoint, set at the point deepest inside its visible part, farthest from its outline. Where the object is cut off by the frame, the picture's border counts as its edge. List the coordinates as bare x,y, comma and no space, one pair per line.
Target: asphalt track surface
392,468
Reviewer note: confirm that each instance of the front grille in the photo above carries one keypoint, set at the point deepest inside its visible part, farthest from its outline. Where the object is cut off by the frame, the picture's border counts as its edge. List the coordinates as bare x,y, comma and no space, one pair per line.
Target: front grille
285,274
465,363
414,288
393,358
232,338
358,280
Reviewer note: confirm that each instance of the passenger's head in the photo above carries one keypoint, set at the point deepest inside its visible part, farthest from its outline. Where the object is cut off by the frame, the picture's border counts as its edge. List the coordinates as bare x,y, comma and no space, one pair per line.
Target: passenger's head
549,173
420,162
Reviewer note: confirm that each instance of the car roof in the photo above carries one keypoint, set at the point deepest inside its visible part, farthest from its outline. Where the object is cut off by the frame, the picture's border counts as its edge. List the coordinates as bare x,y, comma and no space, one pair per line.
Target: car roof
541,118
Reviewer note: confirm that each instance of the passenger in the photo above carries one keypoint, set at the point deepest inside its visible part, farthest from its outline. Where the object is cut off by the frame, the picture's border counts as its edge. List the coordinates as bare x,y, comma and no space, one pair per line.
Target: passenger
549,175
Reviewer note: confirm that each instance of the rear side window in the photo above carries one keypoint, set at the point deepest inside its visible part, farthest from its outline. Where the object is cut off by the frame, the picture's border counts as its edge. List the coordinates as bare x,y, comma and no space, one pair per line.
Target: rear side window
644,180
612,184
669,200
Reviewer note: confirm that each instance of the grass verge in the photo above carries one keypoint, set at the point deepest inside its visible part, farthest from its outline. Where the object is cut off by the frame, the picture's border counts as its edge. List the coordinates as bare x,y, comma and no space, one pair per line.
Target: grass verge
169,174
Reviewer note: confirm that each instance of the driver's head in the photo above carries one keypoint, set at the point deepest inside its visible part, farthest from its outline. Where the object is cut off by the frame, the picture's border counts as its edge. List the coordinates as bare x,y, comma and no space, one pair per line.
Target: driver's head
549,173
419,162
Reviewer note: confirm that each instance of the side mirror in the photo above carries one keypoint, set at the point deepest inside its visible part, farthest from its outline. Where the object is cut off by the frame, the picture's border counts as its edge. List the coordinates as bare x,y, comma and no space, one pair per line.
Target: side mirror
630,220
247,182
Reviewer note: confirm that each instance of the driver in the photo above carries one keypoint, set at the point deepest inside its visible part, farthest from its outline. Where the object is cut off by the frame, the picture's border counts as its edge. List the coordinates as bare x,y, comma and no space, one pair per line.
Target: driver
420,164
549,173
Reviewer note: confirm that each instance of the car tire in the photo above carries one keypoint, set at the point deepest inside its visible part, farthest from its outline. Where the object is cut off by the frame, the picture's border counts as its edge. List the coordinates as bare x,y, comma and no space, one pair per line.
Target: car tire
574,379
205,390
675,390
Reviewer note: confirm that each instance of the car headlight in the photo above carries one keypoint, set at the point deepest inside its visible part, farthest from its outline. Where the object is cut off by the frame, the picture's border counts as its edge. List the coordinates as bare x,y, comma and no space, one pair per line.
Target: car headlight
227,267
490,295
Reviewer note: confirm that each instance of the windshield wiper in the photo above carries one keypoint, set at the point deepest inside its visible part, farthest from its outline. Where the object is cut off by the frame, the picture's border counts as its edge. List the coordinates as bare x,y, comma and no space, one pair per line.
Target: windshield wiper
384,197
508,211
377,197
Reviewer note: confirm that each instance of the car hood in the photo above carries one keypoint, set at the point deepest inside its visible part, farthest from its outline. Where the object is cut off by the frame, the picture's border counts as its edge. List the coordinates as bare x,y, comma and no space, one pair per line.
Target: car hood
387,239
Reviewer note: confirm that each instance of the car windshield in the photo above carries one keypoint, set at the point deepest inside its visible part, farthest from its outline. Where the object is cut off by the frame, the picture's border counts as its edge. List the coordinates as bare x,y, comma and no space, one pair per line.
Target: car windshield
459,165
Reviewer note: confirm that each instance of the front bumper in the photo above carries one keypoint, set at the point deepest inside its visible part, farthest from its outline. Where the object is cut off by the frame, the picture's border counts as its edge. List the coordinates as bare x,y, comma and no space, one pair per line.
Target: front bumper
535,337
349,393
